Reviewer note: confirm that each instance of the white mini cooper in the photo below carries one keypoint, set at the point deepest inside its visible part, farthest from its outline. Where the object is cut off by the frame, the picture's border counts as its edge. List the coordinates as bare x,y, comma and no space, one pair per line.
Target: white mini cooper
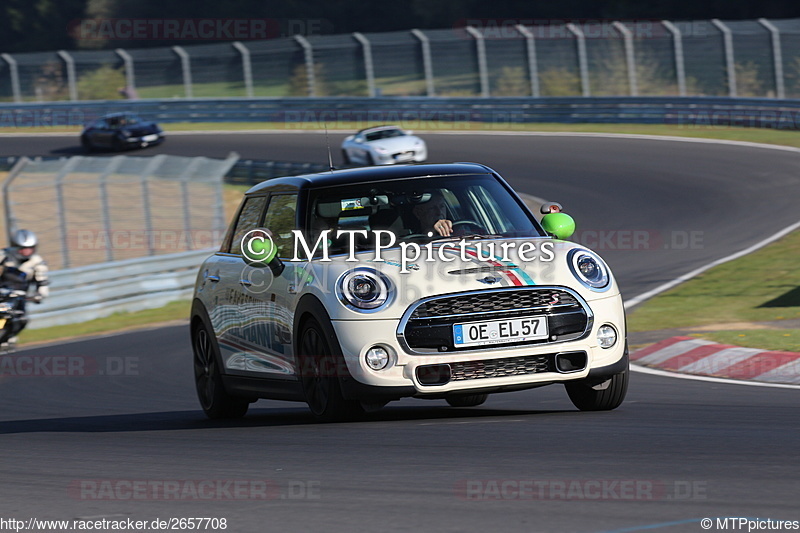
353,288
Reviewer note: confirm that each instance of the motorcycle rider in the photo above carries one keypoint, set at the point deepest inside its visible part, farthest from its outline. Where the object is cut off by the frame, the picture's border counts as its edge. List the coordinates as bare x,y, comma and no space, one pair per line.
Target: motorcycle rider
22,269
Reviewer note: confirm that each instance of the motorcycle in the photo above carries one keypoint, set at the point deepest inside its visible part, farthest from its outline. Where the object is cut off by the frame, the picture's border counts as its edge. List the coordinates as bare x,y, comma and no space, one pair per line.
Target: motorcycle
10,312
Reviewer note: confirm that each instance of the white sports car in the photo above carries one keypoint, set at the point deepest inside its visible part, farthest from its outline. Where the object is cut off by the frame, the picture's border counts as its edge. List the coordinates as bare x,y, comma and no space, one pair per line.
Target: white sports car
353,288
383,145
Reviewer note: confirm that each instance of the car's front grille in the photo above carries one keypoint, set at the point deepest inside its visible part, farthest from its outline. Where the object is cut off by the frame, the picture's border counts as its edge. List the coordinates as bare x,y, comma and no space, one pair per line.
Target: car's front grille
500,368
427,326
489,302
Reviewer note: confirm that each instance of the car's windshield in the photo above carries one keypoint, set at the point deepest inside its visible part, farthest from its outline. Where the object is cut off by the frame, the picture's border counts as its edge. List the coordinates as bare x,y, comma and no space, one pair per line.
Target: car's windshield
383,134
410,208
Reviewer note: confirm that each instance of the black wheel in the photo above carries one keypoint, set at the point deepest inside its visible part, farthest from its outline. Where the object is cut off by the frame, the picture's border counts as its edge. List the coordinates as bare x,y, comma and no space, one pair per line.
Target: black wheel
86,143
320,367
216,403
345,157
587,398
466,400
117,145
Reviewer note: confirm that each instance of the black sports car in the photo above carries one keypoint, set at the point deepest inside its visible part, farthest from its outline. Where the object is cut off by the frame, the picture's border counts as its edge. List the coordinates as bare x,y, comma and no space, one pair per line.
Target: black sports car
120,131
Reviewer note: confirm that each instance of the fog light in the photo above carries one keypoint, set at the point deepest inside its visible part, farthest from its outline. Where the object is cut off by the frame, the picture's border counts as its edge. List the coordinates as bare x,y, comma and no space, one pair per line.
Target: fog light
606,336
377,358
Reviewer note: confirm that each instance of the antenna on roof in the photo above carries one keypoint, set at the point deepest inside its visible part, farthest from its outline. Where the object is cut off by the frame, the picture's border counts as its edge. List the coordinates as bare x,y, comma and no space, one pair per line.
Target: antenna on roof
327,142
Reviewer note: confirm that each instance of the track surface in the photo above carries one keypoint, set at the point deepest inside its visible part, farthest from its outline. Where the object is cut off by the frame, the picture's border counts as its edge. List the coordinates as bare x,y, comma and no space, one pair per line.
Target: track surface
728,450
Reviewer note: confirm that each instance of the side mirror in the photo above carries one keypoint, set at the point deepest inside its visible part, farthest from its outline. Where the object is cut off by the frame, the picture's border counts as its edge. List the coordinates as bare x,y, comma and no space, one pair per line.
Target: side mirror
262,253
559,225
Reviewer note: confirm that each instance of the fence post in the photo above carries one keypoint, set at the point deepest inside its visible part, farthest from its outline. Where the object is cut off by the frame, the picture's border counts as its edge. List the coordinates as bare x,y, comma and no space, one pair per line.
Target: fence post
70,164
483,73
14,71
186,67
630,57
247,71
369,69
308,52
11,223
533,67
427,62
677,42
777,57
112,167
187,204
582,61
151,167
130,78
727,38
71,83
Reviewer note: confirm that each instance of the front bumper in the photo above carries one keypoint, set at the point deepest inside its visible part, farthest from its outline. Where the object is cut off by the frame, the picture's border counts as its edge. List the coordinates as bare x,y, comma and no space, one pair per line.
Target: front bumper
504,368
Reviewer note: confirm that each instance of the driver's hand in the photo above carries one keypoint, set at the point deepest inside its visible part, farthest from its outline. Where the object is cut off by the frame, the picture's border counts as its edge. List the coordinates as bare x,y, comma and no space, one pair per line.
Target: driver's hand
444,227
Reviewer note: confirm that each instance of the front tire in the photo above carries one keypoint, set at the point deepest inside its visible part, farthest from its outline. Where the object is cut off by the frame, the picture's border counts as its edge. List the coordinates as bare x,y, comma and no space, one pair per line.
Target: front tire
587,398
320,366
345,157
214,400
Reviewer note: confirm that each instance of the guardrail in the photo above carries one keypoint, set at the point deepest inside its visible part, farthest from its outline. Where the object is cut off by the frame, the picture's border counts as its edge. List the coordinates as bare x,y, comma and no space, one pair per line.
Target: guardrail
97,291
411,112
243,172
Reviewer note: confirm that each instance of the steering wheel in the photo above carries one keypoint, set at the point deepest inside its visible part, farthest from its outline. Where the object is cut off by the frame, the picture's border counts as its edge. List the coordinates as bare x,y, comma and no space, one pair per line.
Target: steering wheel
462,225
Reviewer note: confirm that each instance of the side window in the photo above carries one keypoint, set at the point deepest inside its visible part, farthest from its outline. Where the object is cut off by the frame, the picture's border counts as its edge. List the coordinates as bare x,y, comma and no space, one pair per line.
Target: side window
280,220
248,220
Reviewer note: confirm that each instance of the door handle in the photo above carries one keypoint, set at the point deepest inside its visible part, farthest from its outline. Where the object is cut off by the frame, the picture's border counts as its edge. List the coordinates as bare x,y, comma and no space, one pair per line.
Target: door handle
213,278
245,282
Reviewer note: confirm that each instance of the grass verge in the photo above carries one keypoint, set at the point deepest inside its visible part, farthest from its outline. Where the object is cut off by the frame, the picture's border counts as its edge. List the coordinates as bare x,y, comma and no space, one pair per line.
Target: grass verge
760,287
783,340
178,310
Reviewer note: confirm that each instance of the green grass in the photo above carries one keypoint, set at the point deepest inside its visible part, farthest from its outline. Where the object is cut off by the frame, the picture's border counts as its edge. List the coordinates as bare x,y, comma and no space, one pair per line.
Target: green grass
761,286
178,310
784,340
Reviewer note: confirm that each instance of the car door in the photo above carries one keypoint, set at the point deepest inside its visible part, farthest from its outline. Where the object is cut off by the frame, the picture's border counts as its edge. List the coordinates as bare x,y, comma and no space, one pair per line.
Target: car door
273,316
232,304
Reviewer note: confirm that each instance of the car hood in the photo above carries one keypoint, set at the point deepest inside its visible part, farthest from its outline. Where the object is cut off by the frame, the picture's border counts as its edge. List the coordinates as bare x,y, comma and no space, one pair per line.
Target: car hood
394,143
451,271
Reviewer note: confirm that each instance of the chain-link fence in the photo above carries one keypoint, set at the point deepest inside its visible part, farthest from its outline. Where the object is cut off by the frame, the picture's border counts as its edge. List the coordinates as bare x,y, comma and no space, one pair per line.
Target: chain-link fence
89,210
659,58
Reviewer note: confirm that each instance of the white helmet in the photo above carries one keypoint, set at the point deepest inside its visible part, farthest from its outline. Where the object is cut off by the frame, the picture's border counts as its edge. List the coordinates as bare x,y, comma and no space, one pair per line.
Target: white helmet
23,238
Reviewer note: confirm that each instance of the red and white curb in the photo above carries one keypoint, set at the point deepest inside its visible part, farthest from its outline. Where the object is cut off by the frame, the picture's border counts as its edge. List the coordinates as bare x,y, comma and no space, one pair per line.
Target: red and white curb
695,356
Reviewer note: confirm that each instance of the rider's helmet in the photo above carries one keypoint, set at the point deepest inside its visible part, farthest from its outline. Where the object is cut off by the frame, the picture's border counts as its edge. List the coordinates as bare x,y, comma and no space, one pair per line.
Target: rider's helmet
23,243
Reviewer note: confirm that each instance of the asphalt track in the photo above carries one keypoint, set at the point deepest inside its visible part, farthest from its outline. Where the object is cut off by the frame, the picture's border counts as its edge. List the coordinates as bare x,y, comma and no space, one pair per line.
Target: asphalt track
675,452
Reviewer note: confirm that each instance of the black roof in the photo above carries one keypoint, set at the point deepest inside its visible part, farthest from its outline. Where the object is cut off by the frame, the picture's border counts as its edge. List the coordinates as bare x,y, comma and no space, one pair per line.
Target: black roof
381,173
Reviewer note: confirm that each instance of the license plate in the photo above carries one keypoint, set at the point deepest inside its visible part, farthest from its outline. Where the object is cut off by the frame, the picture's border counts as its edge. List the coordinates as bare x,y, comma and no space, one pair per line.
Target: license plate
150,138
405,156
500,331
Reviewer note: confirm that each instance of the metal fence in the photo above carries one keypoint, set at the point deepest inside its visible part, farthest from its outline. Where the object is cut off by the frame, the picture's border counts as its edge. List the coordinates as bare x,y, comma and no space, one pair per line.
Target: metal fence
90,210
660,58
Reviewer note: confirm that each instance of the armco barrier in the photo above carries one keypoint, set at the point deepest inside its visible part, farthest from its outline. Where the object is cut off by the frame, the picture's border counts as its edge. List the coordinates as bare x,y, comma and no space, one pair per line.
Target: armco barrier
96,291
412,112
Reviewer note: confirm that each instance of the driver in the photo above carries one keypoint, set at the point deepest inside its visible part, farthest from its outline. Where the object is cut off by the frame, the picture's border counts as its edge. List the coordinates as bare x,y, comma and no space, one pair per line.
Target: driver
432,216
21,269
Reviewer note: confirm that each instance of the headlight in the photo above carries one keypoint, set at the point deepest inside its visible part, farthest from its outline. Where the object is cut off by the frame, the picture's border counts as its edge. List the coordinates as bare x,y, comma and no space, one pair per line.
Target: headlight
589,269
606,336
364,289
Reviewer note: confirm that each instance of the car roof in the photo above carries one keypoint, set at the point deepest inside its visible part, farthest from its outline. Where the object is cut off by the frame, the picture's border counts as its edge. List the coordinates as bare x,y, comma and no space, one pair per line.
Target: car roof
368,174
